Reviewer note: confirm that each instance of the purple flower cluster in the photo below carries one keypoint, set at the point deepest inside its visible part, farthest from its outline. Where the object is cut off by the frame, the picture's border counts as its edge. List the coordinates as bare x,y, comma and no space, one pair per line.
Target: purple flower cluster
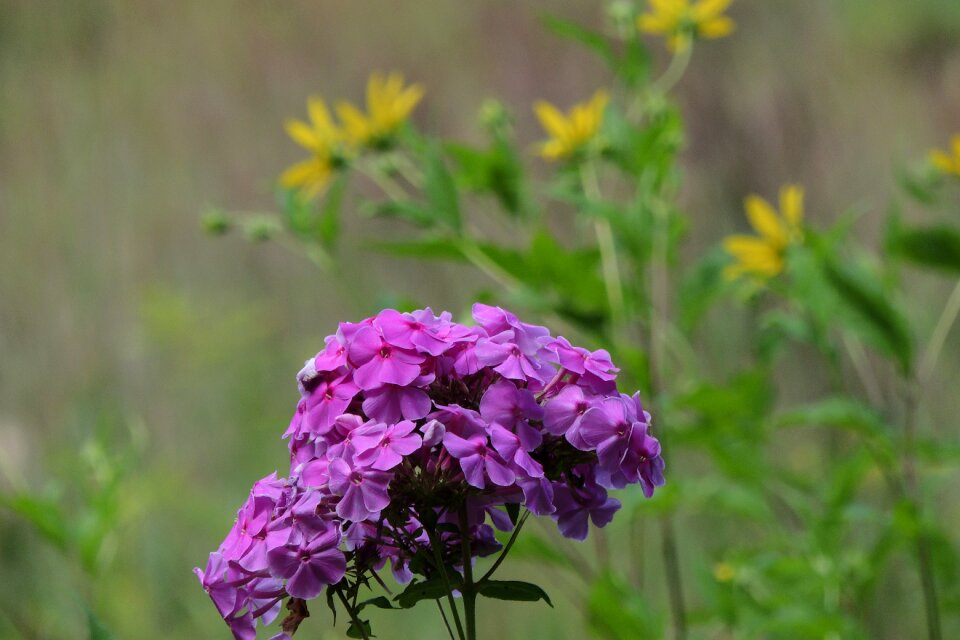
407,420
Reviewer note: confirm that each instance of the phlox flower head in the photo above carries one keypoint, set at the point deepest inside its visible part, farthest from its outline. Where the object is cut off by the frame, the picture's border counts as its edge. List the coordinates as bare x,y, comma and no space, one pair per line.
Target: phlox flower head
409,425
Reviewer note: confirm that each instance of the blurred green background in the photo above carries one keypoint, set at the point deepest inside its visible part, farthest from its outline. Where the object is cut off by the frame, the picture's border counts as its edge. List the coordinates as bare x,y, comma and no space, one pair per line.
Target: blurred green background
147,371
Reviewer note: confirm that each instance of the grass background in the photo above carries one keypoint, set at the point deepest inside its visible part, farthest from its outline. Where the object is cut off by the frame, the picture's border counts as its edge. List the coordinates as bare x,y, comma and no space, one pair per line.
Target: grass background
119,319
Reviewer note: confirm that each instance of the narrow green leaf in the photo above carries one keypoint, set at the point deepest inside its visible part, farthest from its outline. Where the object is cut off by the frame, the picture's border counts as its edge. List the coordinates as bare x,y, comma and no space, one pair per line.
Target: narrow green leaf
590,39
936,247
381,602
440,189
512,590
873,309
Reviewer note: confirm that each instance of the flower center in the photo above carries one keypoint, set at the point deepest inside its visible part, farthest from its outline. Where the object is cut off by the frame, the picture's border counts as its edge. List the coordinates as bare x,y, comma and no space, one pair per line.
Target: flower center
356,477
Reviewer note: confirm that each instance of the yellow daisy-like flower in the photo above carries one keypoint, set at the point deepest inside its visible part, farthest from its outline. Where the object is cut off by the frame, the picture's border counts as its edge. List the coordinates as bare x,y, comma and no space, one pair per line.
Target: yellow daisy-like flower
948,162
762,256
681,20
389,104
324,140
570,132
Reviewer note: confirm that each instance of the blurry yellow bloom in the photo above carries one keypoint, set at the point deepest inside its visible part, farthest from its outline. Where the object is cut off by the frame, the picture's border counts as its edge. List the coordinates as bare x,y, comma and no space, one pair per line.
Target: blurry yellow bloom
324,140
762,255
724,572
948,162
568,133
681,20
389,104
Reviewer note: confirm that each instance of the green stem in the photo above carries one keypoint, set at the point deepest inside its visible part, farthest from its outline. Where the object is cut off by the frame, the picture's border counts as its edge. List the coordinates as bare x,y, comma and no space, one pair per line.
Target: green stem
353,615
506,549
435,545
608,249
468,589
939,337
659,294
666,82
912,485
446,622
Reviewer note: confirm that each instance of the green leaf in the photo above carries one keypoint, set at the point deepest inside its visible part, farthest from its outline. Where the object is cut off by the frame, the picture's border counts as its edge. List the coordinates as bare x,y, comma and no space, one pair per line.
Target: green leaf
592,40
432,589
328,222
839,411
409,210
381,602
440,189
513,510
935,247
45,514
872,307
96,630
512,590
354,632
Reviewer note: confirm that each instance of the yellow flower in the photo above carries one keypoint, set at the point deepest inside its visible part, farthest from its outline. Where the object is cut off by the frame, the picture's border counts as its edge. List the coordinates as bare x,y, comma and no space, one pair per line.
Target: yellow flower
569,133
324,140
724,572
681,20
948,162
762,255
389,104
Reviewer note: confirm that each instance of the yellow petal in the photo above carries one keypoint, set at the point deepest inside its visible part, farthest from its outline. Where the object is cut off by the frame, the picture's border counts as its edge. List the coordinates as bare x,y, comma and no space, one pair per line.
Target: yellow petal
716,27
955,144
707,9
669,6
322,122
303,134
375,93
655,24
942,161
742,246
764,219
301,173
553,150
356,124
554,122
791,205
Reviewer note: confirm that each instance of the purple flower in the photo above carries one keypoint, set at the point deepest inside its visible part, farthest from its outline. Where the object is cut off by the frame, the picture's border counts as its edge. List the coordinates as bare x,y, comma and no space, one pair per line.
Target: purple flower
407,331
505,404
310,564
363,491
475,458
510,446
576,506
581,361
564,413
509,360
378,362
329,396
383,447
392,403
